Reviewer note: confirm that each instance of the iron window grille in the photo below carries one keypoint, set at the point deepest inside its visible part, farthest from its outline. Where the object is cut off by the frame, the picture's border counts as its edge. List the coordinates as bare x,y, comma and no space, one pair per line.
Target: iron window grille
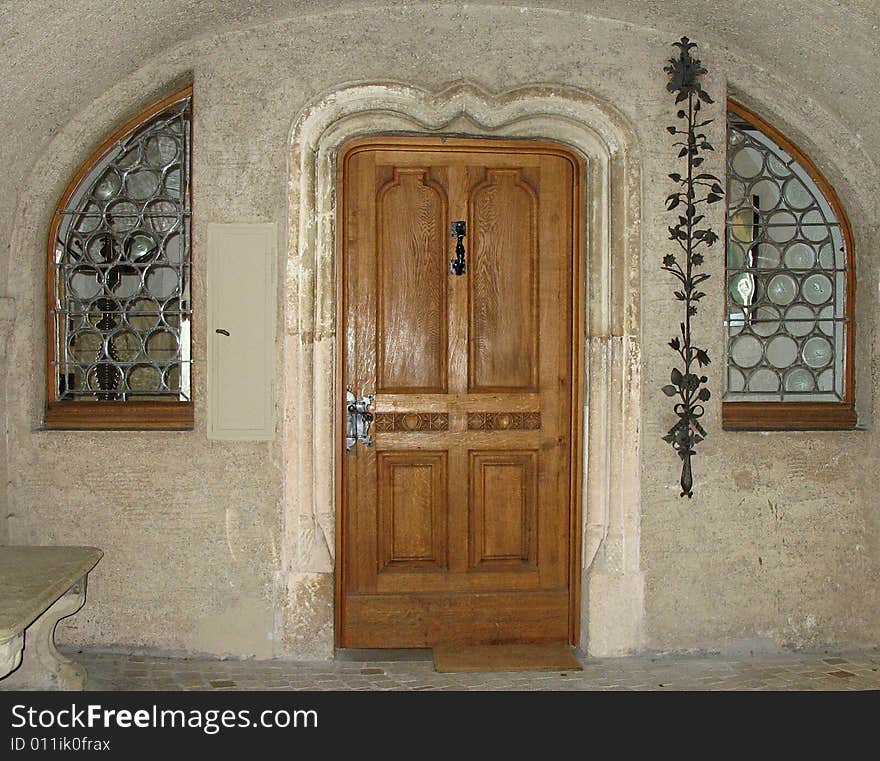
788,297
120,302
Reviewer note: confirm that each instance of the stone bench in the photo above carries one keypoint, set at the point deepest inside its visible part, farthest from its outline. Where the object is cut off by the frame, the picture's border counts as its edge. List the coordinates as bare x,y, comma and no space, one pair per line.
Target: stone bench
38,587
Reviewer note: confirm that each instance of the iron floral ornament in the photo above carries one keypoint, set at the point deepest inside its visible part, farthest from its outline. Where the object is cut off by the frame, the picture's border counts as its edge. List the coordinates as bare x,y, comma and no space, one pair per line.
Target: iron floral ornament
692,234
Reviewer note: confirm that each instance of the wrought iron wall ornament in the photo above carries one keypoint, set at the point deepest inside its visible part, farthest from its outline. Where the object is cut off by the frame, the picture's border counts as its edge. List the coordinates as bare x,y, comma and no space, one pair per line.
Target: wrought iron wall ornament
692,234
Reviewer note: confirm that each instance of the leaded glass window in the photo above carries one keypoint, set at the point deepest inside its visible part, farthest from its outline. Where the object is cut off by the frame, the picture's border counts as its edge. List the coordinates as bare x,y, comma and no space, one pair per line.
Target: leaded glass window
120,291
787,276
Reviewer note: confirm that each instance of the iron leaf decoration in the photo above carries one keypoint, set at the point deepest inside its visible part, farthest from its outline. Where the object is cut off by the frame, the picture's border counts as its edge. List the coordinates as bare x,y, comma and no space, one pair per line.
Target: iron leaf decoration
693,235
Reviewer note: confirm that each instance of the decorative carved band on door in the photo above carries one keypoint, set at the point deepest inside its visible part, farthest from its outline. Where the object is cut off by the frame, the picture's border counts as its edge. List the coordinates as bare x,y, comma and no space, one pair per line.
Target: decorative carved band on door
387,422
504,421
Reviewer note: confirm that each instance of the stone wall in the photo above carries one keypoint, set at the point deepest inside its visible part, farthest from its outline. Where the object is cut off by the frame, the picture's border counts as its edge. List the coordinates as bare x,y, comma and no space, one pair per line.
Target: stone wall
780,545
7,320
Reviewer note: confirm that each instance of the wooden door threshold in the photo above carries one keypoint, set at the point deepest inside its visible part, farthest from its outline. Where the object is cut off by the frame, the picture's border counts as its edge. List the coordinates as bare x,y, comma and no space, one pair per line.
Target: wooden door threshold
545,656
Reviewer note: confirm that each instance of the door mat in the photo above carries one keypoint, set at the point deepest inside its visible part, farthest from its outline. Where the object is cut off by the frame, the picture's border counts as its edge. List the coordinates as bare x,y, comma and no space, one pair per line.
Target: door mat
548,656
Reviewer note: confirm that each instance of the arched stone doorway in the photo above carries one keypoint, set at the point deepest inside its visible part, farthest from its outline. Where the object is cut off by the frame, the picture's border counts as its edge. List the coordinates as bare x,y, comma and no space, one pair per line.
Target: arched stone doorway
612,584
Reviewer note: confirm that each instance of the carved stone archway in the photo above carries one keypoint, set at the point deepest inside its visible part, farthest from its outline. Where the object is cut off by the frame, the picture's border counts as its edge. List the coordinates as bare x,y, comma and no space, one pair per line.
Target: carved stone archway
612,583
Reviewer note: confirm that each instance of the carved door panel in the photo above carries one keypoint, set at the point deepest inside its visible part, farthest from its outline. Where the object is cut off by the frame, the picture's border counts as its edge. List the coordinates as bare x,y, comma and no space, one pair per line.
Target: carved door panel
455,524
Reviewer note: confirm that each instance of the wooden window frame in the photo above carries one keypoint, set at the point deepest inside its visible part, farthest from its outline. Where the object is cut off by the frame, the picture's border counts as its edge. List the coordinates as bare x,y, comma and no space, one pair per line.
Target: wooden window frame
109,415
802,416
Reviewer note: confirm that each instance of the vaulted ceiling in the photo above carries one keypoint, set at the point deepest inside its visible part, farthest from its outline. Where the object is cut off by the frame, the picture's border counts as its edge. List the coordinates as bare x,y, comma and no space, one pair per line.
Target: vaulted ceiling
51,50
57,57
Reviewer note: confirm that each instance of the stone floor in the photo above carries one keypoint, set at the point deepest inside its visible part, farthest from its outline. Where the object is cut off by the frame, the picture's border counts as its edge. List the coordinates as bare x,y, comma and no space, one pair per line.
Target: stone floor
824,670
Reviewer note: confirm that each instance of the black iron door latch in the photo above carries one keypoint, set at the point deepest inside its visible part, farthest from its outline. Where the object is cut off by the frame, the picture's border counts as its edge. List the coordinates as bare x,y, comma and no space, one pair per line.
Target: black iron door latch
458,230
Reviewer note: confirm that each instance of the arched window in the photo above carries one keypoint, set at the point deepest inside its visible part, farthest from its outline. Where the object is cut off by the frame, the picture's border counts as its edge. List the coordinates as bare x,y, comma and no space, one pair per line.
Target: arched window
790,283
119,307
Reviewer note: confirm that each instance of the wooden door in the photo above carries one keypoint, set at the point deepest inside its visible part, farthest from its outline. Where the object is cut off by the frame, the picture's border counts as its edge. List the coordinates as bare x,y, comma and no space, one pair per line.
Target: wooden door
456,524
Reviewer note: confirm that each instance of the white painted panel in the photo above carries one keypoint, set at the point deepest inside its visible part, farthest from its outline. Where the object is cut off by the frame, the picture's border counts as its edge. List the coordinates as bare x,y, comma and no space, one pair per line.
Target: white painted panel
241,301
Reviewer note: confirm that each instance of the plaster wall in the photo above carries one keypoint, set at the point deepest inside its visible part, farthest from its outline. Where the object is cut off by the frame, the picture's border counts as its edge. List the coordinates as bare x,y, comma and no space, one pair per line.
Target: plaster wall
780,545
7,320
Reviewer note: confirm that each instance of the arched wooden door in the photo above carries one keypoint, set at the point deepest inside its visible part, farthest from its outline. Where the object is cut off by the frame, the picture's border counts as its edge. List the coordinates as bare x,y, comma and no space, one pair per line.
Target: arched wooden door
457,524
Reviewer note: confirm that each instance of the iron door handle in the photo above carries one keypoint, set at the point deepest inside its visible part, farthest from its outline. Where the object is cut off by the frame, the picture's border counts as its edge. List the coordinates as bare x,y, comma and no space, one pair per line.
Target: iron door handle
457,265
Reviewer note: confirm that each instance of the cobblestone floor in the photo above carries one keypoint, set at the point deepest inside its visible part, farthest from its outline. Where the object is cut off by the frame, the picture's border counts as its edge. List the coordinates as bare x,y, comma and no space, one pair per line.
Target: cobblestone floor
785,671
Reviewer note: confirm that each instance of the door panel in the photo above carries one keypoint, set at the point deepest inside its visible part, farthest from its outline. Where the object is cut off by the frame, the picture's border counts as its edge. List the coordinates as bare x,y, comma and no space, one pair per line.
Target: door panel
503,498
503,298
411,214
412,510
456,524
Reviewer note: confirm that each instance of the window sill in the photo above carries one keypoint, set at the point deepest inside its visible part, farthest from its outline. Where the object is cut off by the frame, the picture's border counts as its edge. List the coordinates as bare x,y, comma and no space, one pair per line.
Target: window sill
118,416
788,416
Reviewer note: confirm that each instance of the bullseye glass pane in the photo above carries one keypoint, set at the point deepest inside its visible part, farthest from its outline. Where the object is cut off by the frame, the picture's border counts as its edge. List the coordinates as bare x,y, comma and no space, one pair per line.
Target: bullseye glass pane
782,351
817,289
108,186
796,195
746,351
782,289
800,380
764,381
765,321
782,226
742,289
800,256
800,320
767,256
748,162
817,352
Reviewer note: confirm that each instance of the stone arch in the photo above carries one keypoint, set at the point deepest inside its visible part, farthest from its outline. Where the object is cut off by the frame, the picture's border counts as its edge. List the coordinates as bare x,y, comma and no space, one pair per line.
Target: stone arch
612,608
